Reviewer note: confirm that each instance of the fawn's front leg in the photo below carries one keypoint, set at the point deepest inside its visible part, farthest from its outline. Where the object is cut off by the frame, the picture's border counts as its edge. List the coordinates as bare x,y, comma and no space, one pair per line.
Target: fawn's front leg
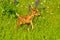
32,25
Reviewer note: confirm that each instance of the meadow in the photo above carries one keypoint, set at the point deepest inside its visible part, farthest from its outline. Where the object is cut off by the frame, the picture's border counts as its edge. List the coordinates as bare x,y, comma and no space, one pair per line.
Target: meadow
46,26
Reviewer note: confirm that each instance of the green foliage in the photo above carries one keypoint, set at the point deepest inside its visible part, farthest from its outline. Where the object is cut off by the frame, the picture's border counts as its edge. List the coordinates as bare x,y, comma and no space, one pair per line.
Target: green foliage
9,9
46,26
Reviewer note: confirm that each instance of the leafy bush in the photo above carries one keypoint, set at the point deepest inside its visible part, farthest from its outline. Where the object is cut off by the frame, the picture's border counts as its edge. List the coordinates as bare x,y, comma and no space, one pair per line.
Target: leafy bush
9,9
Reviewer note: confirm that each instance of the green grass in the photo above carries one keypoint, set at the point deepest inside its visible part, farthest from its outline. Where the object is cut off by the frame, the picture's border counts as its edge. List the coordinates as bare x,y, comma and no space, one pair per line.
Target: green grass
46,26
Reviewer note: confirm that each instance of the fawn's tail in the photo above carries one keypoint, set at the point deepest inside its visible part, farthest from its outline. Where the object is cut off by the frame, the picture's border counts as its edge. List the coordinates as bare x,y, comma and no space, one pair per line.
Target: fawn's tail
17,14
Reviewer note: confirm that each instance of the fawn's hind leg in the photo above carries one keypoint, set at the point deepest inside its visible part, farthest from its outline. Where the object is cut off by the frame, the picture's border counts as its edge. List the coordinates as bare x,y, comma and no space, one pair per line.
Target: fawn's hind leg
18,24
32,25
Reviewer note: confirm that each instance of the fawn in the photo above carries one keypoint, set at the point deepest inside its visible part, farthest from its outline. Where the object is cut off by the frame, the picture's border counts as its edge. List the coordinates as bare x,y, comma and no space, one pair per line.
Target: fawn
27,19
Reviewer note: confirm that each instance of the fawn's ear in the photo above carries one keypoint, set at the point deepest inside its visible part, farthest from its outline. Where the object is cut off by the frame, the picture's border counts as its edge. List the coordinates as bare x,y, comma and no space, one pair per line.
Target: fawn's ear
37,3
30,8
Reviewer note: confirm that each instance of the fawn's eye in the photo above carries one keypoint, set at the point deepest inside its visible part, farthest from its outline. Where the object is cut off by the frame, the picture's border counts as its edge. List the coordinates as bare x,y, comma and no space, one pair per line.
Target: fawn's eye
35,11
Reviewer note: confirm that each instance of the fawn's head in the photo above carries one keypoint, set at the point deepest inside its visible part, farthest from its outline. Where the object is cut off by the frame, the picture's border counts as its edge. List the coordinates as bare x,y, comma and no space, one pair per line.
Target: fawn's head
34,9
35,12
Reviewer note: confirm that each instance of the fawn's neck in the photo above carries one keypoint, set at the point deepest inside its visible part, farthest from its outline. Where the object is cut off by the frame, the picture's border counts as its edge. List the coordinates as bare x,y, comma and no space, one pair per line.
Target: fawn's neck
31,16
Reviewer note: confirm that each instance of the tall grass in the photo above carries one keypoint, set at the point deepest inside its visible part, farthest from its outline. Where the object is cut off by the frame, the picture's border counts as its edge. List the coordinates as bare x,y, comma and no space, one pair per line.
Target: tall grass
46,26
